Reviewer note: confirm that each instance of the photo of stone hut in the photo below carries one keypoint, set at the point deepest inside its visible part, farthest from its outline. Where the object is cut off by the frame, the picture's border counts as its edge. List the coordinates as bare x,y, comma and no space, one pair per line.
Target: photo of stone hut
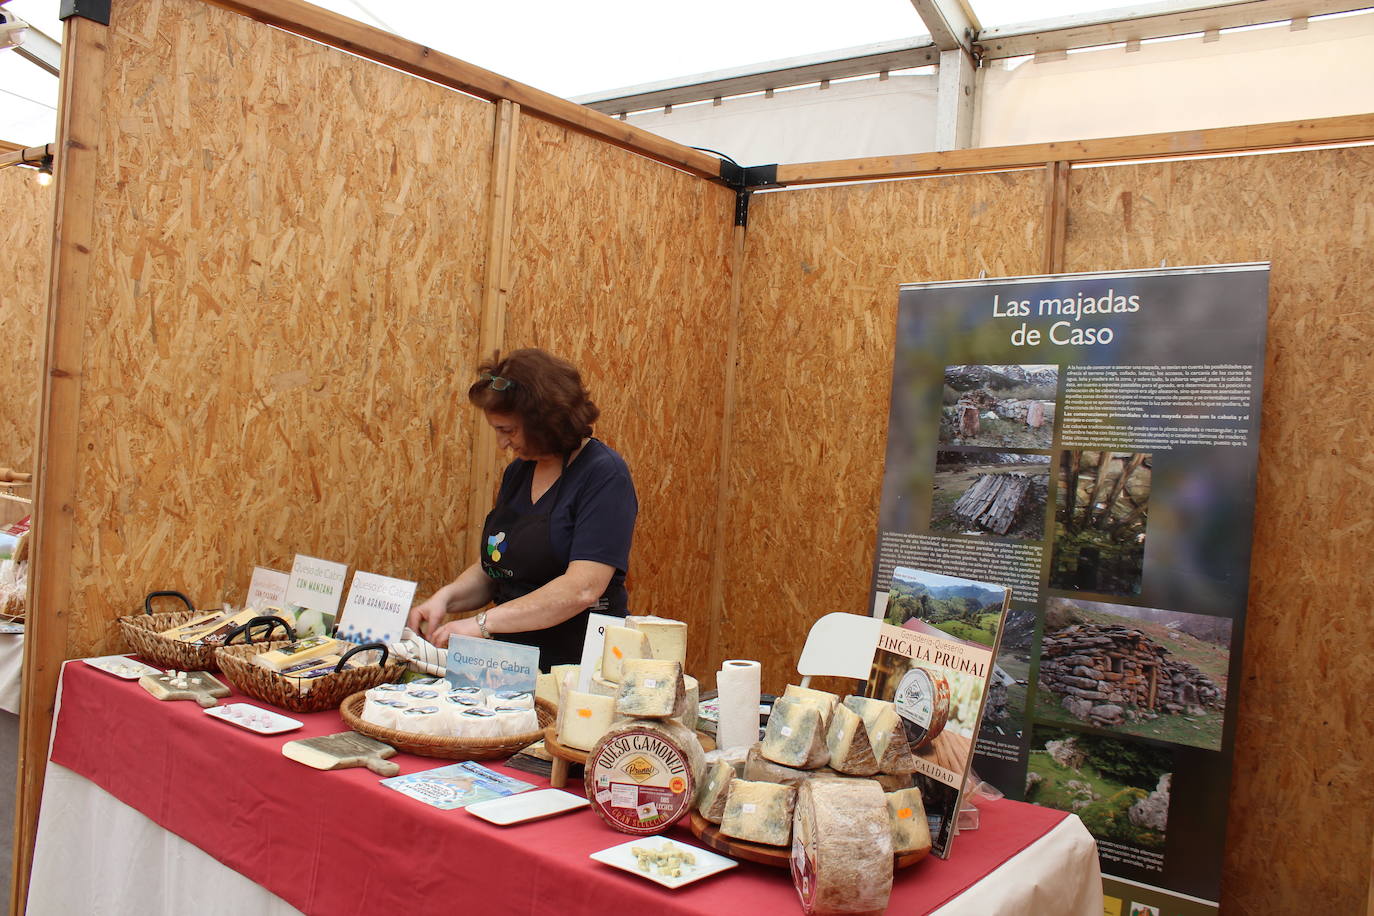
1142,671
1004,406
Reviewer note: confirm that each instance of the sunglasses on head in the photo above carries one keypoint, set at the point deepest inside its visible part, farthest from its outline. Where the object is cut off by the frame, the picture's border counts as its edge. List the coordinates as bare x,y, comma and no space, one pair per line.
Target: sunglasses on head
496,382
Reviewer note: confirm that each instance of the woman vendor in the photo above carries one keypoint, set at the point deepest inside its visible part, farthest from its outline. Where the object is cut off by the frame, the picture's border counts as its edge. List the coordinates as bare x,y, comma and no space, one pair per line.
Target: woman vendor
556,545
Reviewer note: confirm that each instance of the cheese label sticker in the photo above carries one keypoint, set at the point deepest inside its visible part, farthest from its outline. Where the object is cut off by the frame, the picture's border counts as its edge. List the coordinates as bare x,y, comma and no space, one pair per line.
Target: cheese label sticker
615,650
603,797
623,796
904,813
787,731
748,808
647,812
584,713
650,683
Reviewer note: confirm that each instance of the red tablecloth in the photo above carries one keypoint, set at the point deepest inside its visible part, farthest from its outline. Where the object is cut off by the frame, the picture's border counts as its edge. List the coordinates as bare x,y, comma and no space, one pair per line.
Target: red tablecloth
339,842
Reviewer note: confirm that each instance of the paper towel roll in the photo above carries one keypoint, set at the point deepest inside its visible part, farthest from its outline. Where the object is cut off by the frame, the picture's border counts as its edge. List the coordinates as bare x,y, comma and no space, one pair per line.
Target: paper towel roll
737,684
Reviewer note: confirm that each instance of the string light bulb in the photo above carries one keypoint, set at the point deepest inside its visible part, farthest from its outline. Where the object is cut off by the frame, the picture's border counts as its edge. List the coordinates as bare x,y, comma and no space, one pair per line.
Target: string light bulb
45,172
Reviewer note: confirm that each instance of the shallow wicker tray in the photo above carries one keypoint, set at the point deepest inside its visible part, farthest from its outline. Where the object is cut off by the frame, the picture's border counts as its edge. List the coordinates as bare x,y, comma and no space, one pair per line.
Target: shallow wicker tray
142,634
447,748
325,692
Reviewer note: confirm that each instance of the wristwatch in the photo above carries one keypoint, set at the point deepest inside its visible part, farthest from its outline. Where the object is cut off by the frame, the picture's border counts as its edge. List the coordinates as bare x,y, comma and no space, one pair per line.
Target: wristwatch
482,625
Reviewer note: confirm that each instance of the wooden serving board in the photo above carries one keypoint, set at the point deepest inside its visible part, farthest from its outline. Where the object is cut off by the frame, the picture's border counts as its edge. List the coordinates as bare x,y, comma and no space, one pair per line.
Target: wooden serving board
201,686
777,856
341,751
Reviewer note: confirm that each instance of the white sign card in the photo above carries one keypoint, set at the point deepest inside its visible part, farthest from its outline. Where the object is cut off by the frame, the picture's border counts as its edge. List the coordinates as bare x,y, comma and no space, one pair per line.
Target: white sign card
316,587
376,608
593,644
491,664
267,588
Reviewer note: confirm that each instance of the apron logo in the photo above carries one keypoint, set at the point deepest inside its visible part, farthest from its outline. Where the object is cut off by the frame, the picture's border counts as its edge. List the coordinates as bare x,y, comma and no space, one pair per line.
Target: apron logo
494,544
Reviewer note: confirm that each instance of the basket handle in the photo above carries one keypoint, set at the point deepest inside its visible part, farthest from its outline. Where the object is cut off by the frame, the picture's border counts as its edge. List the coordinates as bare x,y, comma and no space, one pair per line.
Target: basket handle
268,621
365,647
148,601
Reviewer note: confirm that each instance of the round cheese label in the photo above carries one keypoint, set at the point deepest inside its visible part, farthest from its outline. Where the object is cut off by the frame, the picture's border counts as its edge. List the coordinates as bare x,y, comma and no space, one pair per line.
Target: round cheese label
640,779
922,700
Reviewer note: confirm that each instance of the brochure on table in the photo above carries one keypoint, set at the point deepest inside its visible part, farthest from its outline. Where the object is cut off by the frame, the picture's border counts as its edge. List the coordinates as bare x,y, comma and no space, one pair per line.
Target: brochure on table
376,609
314,592
456,785
1091,441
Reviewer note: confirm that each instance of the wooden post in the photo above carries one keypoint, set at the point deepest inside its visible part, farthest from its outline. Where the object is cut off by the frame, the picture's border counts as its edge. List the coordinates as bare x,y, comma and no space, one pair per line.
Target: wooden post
1127,470
486,464
1056,215
1070,463
46,640
720,539
1104,459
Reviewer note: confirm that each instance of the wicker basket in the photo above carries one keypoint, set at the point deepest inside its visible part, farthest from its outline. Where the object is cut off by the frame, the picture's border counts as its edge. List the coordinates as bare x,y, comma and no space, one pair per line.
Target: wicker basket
143,636
325,692
447,748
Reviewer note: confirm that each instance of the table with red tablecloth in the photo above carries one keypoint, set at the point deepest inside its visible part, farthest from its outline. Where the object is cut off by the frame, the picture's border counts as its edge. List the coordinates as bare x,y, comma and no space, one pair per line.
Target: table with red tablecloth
125,766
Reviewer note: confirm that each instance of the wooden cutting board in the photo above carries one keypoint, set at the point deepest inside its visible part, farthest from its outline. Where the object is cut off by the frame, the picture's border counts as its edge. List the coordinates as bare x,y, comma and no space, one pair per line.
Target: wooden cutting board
338,752
201,686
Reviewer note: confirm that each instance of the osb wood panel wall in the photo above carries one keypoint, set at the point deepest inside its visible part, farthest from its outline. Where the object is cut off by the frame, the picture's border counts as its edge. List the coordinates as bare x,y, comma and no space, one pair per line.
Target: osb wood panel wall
285,293
622,265
817,323
25,249
1303,744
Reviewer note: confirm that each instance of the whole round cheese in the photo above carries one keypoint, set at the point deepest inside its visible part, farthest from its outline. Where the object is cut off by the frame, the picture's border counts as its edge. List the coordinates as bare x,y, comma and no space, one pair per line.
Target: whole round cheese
642,775
922,700
841,847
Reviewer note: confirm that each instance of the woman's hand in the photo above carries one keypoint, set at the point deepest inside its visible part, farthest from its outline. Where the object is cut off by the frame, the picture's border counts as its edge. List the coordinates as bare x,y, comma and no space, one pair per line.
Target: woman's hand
464,627
430,612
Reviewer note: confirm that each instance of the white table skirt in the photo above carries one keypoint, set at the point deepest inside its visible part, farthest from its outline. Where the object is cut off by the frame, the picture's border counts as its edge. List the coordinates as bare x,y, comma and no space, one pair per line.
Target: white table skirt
96,855
11,670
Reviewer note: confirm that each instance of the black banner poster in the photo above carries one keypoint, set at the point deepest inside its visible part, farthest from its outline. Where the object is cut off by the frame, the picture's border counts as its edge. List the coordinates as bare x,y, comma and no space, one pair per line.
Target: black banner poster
1091,442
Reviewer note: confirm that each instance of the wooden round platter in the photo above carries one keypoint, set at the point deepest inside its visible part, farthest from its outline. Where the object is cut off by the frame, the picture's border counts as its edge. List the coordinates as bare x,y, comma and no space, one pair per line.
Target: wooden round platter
777,856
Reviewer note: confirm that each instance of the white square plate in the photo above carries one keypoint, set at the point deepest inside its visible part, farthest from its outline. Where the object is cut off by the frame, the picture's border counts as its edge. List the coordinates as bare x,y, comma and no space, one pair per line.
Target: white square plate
130,669
708,863
253,718
527,806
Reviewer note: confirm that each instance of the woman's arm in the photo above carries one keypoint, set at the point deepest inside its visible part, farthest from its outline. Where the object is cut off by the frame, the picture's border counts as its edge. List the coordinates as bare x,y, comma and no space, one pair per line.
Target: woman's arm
472,589
560,599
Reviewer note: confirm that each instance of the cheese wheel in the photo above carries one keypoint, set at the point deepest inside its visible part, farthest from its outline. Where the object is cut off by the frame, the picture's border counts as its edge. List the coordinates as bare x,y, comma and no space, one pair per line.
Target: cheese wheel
841,847
922,699
642,775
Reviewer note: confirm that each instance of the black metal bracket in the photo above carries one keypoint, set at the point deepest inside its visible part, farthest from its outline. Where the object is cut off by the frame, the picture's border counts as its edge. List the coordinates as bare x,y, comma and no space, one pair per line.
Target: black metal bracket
94,10
745,181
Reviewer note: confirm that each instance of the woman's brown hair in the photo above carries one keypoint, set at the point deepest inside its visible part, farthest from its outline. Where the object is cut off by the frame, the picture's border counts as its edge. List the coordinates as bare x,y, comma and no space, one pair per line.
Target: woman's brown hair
544,391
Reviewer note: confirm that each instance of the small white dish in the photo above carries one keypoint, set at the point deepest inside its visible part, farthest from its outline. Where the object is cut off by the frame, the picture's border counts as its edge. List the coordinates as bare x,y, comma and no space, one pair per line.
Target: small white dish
253,718
527,806
707,863
130,669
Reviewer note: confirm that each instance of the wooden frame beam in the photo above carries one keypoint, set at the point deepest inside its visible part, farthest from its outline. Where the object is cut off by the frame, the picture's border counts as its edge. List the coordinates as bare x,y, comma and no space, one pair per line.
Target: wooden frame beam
953,26
1279,135
79,110
27,155
1121,25
340,32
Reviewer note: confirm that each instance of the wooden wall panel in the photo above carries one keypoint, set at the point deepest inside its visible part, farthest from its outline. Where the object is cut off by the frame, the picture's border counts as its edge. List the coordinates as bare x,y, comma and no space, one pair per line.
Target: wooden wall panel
622,265
817,324
1302,802
25,248
285,292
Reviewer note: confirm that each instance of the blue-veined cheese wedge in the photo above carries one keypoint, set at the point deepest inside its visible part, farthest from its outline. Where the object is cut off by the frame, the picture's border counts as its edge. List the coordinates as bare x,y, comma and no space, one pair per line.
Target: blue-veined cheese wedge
714,793
795,735
886,734
847,740
760,812
651,689
907,817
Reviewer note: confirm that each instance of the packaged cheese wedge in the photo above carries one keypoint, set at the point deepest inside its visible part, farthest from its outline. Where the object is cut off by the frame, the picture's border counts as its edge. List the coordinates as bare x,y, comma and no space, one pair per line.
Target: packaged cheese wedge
651,689
712,797
621,643
850,751
667,637
885,733
841,847
302,650
907,816
760,812
189,631
795,736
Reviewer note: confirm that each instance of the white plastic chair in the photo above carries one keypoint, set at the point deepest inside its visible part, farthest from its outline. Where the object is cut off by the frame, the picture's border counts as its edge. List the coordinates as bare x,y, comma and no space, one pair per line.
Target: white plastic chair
839,645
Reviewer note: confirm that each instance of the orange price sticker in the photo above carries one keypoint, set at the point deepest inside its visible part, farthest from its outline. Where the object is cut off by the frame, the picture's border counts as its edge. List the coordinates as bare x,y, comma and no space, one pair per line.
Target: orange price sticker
615,650
904,813
584,713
